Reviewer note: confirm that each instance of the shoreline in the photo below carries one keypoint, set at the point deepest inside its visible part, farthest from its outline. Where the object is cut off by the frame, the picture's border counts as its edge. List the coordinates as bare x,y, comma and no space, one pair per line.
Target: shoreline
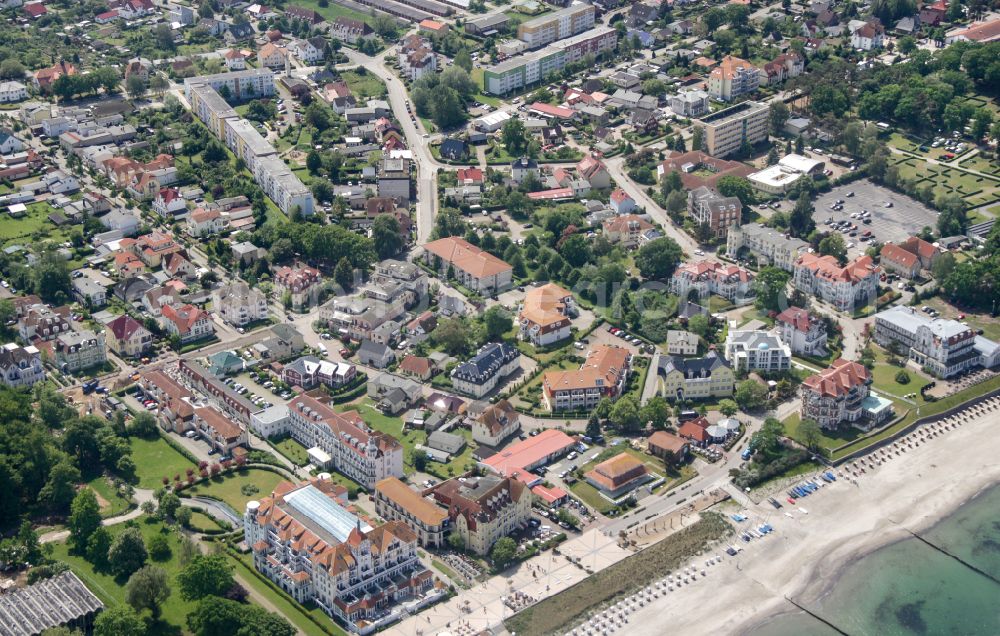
808,554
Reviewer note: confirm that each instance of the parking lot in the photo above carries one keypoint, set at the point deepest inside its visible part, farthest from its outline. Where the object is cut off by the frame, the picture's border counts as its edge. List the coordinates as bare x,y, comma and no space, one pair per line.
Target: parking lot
904,218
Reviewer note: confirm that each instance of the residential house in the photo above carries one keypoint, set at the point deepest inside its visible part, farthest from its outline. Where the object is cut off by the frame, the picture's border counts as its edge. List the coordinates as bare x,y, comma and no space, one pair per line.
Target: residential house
416,57
496,424
689,102
395,501
803,332
482,373
309,371
714,211
666,445
682,343
239,304
604,374
628,230
868,36
474,268
203,222
309,51
350,30
757,350
844,287
481,510
235,60
272,56
300,282
79,350
375,354
12,91
521,168
695,378
546,313
621,202
417,367
89,292
732,282
20,366
594,172
393,393
187,322
169,203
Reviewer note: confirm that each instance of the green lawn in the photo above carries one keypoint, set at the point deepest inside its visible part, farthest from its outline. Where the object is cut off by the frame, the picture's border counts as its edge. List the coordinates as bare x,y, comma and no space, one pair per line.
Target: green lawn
155,459
333,10
111,589
113,504
229,488
201,522
291,610
34,226
367,86
294,451
884,379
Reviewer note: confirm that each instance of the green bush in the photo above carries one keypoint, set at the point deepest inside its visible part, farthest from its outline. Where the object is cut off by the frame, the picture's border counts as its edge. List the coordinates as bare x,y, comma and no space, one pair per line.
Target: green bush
903,377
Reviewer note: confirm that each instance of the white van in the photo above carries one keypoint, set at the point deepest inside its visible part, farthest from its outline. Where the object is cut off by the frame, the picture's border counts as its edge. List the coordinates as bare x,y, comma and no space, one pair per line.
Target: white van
322,348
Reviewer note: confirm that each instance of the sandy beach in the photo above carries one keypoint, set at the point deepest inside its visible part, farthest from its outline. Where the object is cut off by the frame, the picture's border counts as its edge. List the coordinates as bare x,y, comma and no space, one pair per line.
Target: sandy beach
804,555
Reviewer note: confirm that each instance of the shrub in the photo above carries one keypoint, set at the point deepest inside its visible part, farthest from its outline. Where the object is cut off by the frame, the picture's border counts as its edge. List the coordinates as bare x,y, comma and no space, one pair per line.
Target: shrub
903,377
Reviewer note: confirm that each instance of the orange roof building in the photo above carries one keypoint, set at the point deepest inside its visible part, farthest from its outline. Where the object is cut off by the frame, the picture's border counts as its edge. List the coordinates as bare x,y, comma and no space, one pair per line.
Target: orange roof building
304,540
661,442
733,77
836,394
896,259
603,374
844,287
484,509
520,458
545,314
618,475
474,268
396,501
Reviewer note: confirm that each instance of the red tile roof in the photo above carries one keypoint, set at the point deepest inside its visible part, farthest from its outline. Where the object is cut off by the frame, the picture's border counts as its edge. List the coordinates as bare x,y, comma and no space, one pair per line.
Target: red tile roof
842,376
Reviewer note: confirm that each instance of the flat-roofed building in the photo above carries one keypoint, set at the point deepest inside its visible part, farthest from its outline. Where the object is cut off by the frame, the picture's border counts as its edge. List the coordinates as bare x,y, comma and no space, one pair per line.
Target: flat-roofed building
726,130
560,24
395,501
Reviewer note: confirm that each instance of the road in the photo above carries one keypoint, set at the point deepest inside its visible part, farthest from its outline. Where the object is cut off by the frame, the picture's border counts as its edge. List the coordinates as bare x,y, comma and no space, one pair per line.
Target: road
427,166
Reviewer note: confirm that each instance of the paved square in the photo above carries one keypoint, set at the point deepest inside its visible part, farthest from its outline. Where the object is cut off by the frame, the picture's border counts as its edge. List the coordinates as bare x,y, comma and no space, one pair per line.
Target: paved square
905,218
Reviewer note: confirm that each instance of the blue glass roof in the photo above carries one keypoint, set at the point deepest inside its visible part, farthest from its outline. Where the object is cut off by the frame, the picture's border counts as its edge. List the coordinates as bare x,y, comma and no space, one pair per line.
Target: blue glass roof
324,512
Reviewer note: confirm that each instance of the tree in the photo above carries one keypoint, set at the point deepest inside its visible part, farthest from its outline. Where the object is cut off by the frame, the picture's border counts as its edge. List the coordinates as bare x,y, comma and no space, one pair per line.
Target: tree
127,553
953,219
343,274
777,115
147,589
593,427
449,111
810,433
727,408
902,377
385,234
625,414
159,547
503,552
314,162
206,574
498,322
670,182
98,546
656,412
766,442
658,258
134,86
943,265
169,503
676,202
697,138
183,516
452,335
833,245
463,60
224,617
11,69
750,395
456,542
119,620
800,221
60,489
699,325
739,187
84,518
514,137
164,37
419,460
142,425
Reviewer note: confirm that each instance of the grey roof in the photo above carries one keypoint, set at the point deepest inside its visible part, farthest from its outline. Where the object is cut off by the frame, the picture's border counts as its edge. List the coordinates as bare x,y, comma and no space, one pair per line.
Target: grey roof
49,603
692,366
448,442
756,340
373,349
908,319
386,380
486,363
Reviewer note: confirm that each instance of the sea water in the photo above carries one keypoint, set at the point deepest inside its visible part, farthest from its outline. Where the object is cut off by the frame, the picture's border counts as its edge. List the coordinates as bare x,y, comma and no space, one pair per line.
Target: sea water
909,587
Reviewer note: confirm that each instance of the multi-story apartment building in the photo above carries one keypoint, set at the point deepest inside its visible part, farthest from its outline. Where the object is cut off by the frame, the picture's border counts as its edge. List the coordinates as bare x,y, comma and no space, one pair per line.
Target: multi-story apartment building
128,337
532,68
239,304
628,230
361,318
218,431
363,454
695,378
689,102
474,268
836,394
484,509
39,322
305,541
769,246
495,424
416,57
396,501
309,371
394,179
732,282
731,78
803,332
755,350
405,279
558,25
708,207
483,372
604,374
220,394
204,93
545,315
78,350
299,282
843,287
726,130
20,366
944,347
